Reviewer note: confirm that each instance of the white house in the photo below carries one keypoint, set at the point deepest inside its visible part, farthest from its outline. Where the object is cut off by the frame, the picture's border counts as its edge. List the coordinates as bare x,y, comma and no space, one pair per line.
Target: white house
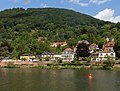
101,56
27,57
68,55
105,55
51,55
8,60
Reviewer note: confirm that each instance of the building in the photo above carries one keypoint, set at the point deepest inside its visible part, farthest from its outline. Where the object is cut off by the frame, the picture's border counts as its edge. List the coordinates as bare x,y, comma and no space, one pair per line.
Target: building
107,51
28,57
7,60
68,55
50,55
56,44
105,55
108,46
93,48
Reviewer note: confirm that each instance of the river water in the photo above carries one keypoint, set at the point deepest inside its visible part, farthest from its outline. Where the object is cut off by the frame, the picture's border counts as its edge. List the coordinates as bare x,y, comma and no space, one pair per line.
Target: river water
58,80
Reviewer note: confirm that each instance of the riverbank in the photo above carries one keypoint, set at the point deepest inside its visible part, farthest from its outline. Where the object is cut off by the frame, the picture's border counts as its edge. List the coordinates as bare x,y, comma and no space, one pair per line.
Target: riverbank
80,67
66,65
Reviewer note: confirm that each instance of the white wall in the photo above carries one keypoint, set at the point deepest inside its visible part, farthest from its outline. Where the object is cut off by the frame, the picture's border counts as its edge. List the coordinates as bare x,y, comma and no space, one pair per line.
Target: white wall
109,54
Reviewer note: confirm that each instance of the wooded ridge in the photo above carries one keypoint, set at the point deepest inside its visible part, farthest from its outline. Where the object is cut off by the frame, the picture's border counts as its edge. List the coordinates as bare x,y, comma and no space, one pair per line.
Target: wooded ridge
31,30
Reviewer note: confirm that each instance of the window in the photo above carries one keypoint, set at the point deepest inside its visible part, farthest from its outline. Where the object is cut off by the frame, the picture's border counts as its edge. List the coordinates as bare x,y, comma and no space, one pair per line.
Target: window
106,54
111,54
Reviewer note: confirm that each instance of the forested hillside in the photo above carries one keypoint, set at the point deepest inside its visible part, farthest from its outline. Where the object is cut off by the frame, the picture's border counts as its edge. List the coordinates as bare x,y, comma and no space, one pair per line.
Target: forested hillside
31,30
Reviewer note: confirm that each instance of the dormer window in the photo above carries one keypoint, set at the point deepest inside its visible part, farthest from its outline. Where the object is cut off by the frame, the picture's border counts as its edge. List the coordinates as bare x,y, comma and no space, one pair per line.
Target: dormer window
111,44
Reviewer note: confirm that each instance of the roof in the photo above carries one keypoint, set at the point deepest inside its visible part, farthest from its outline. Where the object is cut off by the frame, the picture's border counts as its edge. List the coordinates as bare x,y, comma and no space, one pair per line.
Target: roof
94,45
110,44
49,53
58,43
94,54
68,49
27,54
109,39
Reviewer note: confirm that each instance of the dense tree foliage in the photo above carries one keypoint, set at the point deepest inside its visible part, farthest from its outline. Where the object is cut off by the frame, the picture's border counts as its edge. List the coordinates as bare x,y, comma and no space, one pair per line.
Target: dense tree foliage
82,49
31,30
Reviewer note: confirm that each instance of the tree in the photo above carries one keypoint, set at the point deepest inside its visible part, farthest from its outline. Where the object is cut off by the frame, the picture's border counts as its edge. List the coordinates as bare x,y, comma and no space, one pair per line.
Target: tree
108,64
11,65
23,59
47,58
59,60
84,37
82,49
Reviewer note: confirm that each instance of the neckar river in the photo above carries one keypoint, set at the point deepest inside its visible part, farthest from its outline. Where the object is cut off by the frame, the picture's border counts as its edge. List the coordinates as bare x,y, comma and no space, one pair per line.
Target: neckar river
58,80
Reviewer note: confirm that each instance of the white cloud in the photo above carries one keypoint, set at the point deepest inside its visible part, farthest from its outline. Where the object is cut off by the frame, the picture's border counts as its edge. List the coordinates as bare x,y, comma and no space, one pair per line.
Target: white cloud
108,15
71,8
78,2
24,1
98,1
82,4
44,5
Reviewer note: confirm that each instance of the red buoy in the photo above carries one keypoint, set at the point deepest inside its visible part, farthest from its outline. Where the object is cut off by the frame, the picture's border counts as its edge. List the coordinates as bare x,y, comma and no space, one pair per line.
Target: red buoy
90,76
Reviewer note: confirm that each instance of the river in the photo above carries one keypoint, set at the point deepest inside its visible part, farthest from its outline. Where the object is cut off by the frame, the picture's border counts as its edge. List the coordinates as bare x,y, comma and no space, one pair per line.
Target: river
28,79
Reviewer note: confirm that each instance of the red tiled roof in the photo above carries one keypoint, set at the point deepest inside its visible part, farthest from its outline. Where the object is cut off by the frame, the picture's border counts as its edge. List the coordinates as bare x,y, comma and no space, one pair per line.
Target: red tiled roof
111,44
93,45
58,43
68,49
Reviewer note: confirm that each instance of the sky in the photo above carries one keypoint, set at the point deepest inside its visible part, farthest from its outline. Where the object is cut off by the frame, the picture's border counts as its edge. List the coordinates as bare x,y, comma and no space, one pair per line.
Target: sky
107,10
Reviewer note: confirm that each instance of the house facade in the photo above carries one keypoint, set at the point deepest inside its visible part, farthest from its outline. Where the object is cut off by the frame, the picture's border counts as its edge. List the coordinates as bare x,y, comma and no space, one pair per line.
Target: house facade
8,60
68,55
108,46
50,55
28,57
106,55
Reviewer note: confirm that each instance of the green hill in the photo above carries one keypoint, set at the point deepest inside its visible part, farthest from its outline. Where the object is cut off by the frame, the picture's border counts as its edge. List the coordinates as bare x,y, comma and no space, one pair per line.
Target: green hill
31,30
